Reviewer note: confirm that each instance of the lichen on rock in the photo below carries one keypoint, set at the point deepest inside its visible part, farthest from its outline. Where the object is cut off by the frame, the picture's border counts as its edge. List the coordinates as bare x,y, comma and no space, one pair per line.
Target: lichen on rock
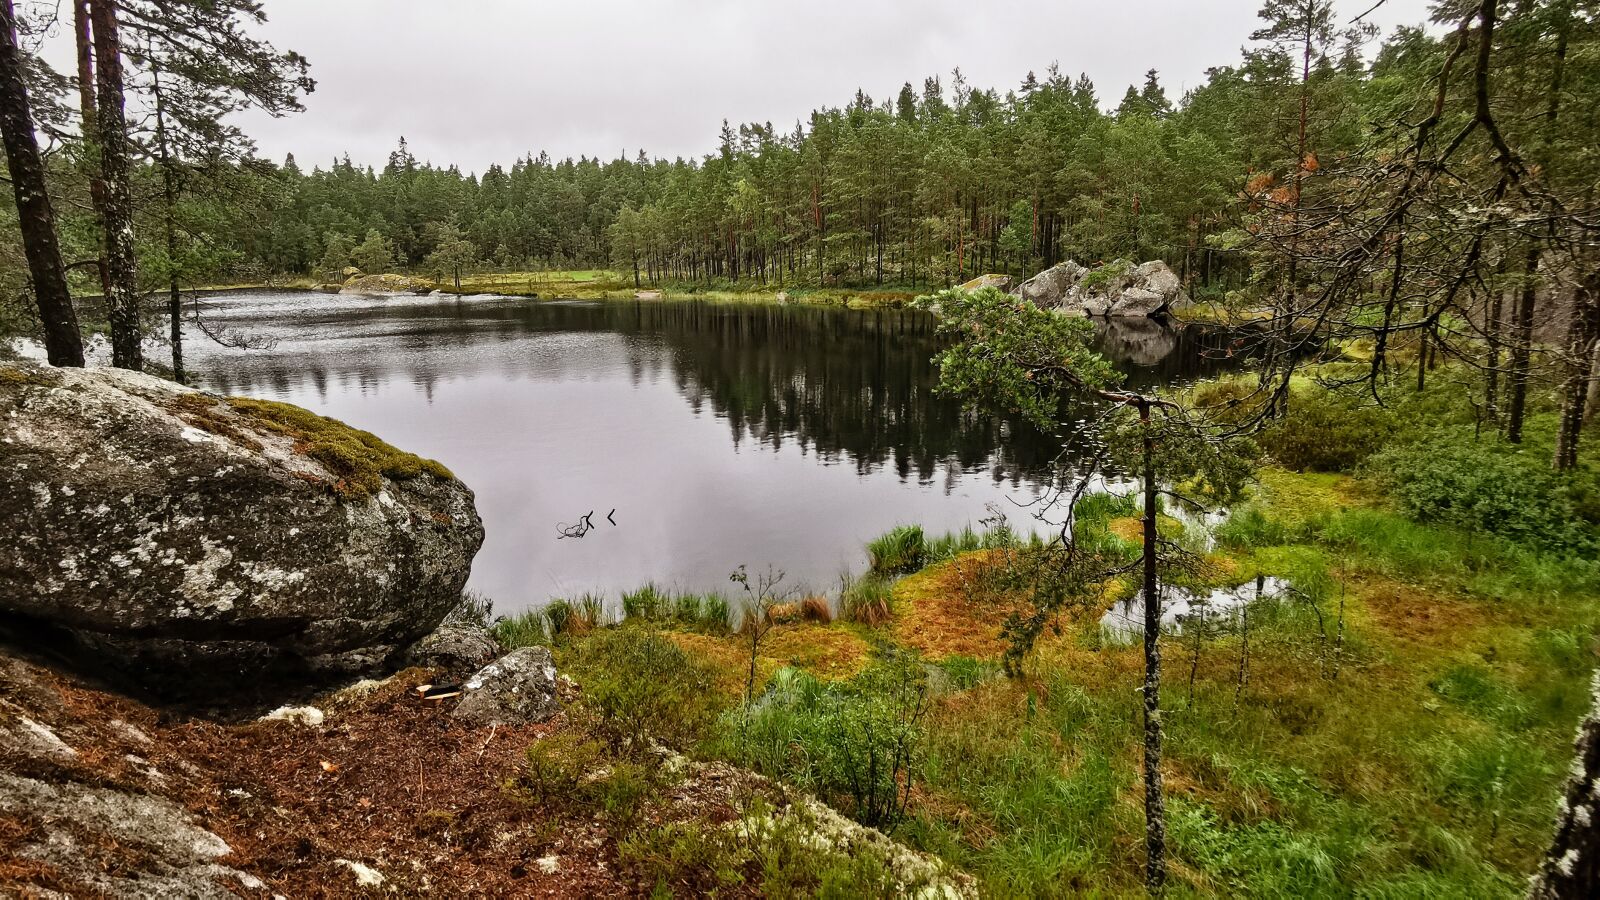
173,531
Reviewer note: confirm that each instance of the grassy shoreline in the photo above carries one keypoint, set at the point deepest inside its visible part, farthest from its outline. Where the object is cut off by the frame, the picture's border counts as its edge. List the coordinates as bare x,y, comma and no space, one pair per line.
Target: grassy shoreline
1412,743
598,284
1398,723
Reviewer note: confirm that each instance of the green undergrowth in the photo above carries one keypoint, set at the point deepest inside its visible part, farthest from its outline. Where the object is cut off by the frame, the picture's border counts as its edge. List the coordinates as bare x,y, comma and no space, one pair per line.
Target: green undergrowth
1397,723
601,284
1397,726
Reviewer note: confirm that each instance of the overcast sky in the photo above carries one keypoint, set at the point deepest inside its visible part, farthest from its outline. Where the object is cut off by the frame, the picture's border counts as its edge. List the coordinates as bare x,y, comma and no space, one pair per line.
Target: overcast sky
479,81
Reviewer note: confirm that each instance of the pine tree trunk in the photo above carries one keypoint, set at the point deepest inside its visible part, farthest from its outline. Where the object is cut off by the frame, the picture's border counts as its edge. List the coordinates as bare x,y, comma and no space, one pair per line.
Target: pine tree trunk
83,37
1155,824
1571,866
1491,389
169,195
122,303
1522,349
35,216
1583,334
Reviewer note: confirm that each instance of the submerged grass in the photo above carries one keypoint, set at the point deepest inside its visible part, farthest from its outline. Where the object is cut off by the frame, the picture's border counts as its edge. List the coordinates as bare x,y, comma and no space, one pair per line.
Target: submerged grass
700,612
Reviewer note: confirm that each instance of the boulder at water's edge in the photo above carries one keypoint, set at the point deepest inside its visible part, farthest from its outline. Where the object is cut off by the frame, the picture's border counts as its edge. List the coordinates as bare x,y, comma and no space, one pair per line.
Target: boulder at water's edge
1118,288
177,534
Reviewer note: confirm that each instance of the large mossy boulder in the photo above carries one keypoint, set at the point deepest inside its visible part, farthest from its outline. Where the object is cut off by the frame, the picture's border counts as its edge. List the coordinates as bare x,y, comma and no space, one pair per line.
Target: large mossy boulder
176,533
1049,289
1119,288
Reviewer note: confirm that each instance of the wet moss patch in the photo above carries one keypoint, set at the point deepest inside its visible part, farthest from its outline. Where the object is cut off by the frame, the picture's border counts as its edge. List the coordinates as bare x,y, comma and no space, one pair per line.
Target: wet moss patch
206,413
360,459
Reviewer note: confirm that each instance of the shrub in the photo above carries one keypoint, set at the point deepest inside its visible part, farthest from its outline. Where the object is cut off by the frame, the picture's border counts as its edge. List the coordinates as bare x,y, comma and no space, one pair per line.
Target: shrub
641,686
696,859
768,853
1327,432
855,743
1487,486
867,601
573,768
897,552
1232,400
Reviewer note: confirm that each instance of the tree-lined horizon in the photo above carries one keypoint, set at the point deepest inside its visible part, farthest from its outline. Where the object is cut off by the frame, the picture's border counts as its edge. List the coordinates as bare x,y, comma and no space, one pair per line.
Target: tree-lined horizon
930,186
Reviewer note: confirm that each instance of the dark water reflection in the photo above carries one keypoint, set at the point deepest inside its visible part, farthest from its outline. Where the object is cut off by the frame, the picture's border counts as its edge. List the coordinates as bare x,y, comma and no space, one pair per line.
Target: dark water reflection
721,434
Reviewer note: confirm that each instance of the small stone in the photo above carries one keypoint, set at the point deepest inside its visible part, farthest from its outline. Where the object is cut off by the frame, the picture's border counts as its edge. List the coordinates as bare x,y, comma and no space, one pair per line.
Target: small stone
454,649
518,689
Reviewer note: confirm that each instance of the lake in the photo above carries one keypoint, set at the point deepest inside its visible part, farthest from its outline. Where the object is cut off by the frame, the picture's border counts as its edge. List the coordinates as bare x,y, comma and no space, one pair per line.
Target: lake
711,435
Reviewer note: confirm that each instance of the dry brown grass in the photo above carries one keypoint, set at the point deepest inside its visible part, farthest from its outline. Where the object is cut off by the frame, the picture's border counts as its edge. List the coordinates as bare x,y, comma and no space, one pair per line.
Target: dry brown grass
953,608
816,609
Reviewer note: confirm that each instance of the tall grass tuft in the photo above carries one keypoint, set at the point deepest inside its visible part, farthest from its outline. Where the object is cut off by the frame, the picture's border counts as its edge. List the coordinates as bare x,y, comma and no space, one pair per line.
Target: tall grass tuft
867,601
645,603
525,629
560,616
569,618
591,611
897,552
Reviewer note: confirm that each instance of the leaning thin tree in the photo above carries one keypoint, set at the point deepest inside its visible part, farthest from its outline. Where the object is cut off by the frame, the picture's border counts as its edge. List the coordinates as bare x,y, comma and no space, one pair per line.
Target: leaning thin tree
1010,354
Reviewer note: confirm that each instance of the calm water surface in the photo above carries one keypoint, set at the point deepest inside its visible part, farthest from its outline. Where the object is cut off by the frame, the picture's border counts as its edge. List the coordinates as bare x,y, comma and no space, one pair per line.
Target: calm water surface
782,436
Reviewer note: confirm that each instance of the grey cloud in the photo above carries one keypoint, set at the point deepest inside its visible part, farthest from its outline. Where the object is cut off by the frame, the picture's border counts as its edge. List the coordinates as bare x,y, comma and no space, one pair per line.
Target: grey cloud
479,81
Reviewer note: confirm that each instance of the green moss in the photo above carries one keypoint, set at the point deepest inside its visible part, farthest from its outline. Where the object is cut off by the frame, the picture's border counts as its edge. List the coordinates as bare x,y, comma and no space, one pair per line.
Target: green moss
359,459
1104,275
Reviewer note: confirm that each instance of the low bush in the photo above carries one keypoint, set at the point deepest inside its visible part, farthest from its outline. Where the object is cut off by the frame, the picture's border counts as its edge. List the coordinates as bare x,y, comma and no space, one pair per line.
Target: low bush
574,769
640,686
768,853
1489,486
1327,432
855,743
